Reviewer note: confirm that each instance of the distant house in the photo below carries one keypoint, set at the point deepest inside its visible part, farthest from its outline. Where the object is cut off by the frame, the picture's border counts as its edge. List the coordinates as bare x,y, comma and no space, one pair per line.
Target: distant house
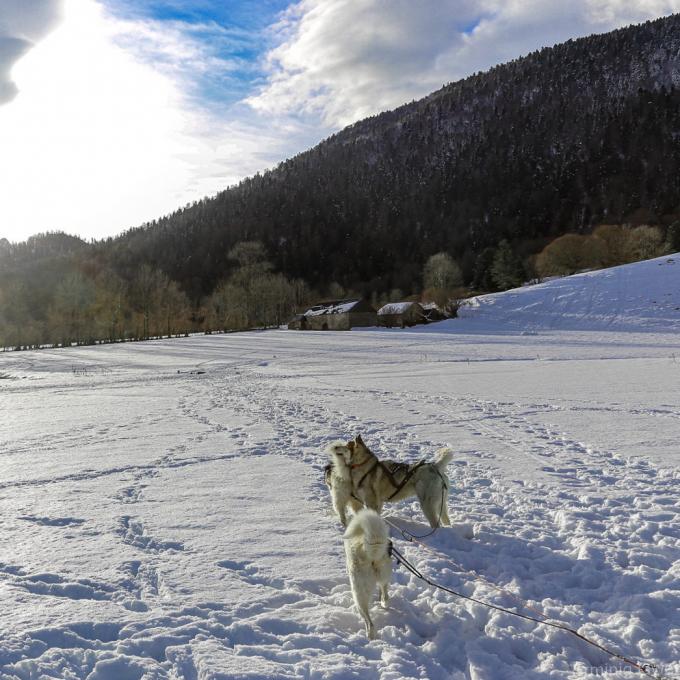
401,314
335,315
433,312
298,323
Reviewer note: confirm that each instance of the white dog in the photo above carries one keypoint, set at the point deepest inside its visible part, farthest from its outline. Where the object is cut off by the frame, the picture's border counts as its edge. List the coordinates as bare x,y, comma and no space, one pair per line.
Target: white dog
367,549
339,481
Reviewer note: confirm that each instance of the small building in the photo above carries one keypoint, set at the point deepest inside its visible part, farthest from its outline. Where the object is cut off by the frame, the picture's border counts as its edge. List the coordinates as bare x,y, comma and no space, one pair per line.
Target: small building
335,315
401,314
433,312
298,323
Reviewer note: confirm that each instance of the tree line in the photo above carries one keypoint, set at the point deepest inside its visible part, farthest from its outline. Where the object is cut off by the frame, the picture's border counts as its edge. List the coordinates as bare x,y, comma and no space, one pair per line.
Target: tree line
72,298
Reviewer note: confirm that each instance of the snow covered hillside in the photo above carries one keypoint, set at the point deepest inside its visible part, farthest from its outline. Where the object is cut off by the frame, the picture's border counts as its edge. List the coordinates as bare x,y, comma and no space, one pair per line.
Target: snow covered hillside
164,513
641,296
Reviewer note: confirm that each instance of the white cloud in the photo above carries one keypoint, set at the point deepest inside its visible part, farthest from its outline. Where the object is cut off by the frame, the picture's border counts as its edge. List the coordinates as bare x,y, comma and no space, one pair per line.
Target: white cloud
351,58
99,139
21,25
347,59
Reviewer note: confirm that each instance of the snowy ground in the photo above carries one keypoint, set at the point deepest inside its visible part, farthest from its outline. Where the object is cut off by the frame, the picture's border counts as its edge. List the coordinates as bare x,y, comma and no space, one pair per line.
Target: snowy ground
163,513
639,297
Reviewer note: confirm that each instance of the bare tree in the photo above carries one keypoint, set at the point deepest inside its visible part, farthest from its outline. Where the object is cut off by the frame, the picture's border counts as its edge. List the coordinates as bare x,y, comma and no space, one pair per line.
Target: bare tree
147,290
616,239
174,308
71,314
442,271
646,242
253,296
569,254
111,306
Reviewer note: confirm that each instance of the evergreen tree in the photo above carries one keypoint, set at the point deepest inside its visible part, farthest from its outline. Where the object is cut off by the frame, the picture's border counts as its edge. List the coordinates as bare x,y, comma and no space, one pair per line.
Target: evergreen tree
506,269
482,279
672,244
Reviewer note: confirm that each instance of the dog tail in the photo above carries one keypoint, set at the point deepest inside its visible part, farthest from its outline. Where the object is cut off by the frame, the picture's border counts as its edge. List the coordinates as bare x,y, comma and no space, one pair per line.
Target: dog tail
443,458
369,528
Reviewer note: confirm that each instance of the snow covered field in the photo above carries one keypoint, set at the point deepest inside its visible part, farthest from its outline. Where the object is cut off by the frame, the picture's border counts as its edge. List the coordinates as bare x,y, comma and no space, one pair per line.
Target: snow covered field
164,514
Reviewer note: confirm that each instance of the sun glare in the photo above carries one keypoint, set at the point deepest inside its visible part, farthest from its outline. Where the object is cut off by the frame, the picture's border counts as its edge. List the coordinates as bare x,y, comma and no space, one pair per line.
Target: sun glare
90,122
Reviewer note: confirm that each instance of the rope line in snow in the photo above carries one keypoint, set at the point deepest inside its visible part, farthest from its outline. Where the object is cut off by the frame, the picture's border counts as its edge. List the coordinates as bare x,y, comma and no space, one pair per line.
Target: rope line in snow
412,538
649,669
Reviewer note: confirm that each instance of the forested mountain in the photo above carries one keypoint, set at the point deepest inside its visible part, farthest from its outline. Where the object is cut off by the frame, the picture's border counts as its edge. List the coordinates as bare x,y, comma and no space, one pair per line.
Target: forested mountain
567,137
486,172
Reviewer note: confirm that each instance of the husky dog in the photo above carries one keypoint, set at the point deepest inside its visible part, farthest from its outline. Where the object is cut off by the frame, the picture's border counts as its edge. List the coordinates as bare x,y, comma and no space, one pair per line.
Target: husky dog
339,481
367,549
374,482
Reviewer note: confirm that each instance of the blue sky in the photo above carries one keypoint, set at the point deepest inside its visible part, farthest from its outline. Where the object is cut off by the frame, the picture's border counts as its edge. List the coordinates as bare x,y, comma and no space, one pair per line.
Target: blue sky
235,32
246,14
129,109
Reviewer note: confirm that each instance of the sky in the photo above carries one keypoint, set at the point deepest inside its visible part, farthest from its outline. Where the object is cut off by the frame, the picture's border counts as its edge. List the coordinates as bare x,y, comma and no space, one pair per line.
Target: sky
115,112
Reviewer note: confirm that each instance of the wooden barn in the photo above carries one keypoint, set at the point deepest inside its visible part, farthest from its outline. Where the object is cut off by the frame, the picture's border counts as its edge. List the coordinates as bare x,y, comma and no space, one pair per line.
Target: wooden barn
335,315
401,314
434,312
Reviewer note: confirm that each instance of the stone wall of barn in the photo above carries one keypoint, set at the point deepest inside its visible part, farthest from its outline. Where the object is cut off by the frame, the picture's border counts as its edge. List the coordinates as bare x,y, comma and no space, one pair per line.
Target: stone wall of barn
341,322
361,319
391,320
412,316
328,322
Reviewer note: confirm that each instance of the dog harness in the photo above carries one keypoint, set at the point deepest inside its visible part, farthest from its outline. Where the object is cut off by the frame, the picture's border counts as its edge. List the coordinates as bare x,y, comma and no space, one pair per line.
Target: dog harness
399,467
411,469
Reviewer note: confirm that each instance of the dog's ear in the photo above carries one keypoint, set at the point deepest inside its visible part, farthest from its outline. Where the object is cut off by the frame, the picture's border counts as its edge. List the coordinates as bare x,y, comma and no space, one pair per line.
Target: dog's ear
350,446
359,440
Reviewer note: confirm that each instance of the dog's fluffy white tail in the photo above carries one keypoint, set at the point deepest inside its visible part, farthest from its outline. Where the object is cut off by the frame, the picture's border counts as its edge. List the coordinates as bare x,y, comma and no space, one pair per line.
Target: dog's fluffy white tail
443,458
368,528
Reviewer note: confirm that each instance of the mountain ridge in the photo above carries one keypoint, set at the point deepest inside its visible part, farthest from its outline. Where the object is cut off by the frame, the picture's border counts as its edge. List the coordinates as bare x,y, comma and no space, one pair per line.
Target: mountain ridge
568,136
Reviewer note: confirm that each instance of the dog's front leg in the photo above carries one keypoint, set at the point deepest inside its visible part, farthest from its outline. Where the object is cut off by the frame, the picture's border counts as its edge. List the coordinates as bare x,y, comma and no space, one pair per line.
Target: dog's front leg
340,511
384,596
340,498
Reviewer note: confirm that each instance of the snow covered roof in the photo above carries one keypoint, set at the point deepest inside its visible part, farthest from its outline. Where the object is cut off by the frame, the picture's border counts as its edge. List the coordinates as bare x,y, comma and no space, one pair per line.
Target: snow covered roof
395,308
340,307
